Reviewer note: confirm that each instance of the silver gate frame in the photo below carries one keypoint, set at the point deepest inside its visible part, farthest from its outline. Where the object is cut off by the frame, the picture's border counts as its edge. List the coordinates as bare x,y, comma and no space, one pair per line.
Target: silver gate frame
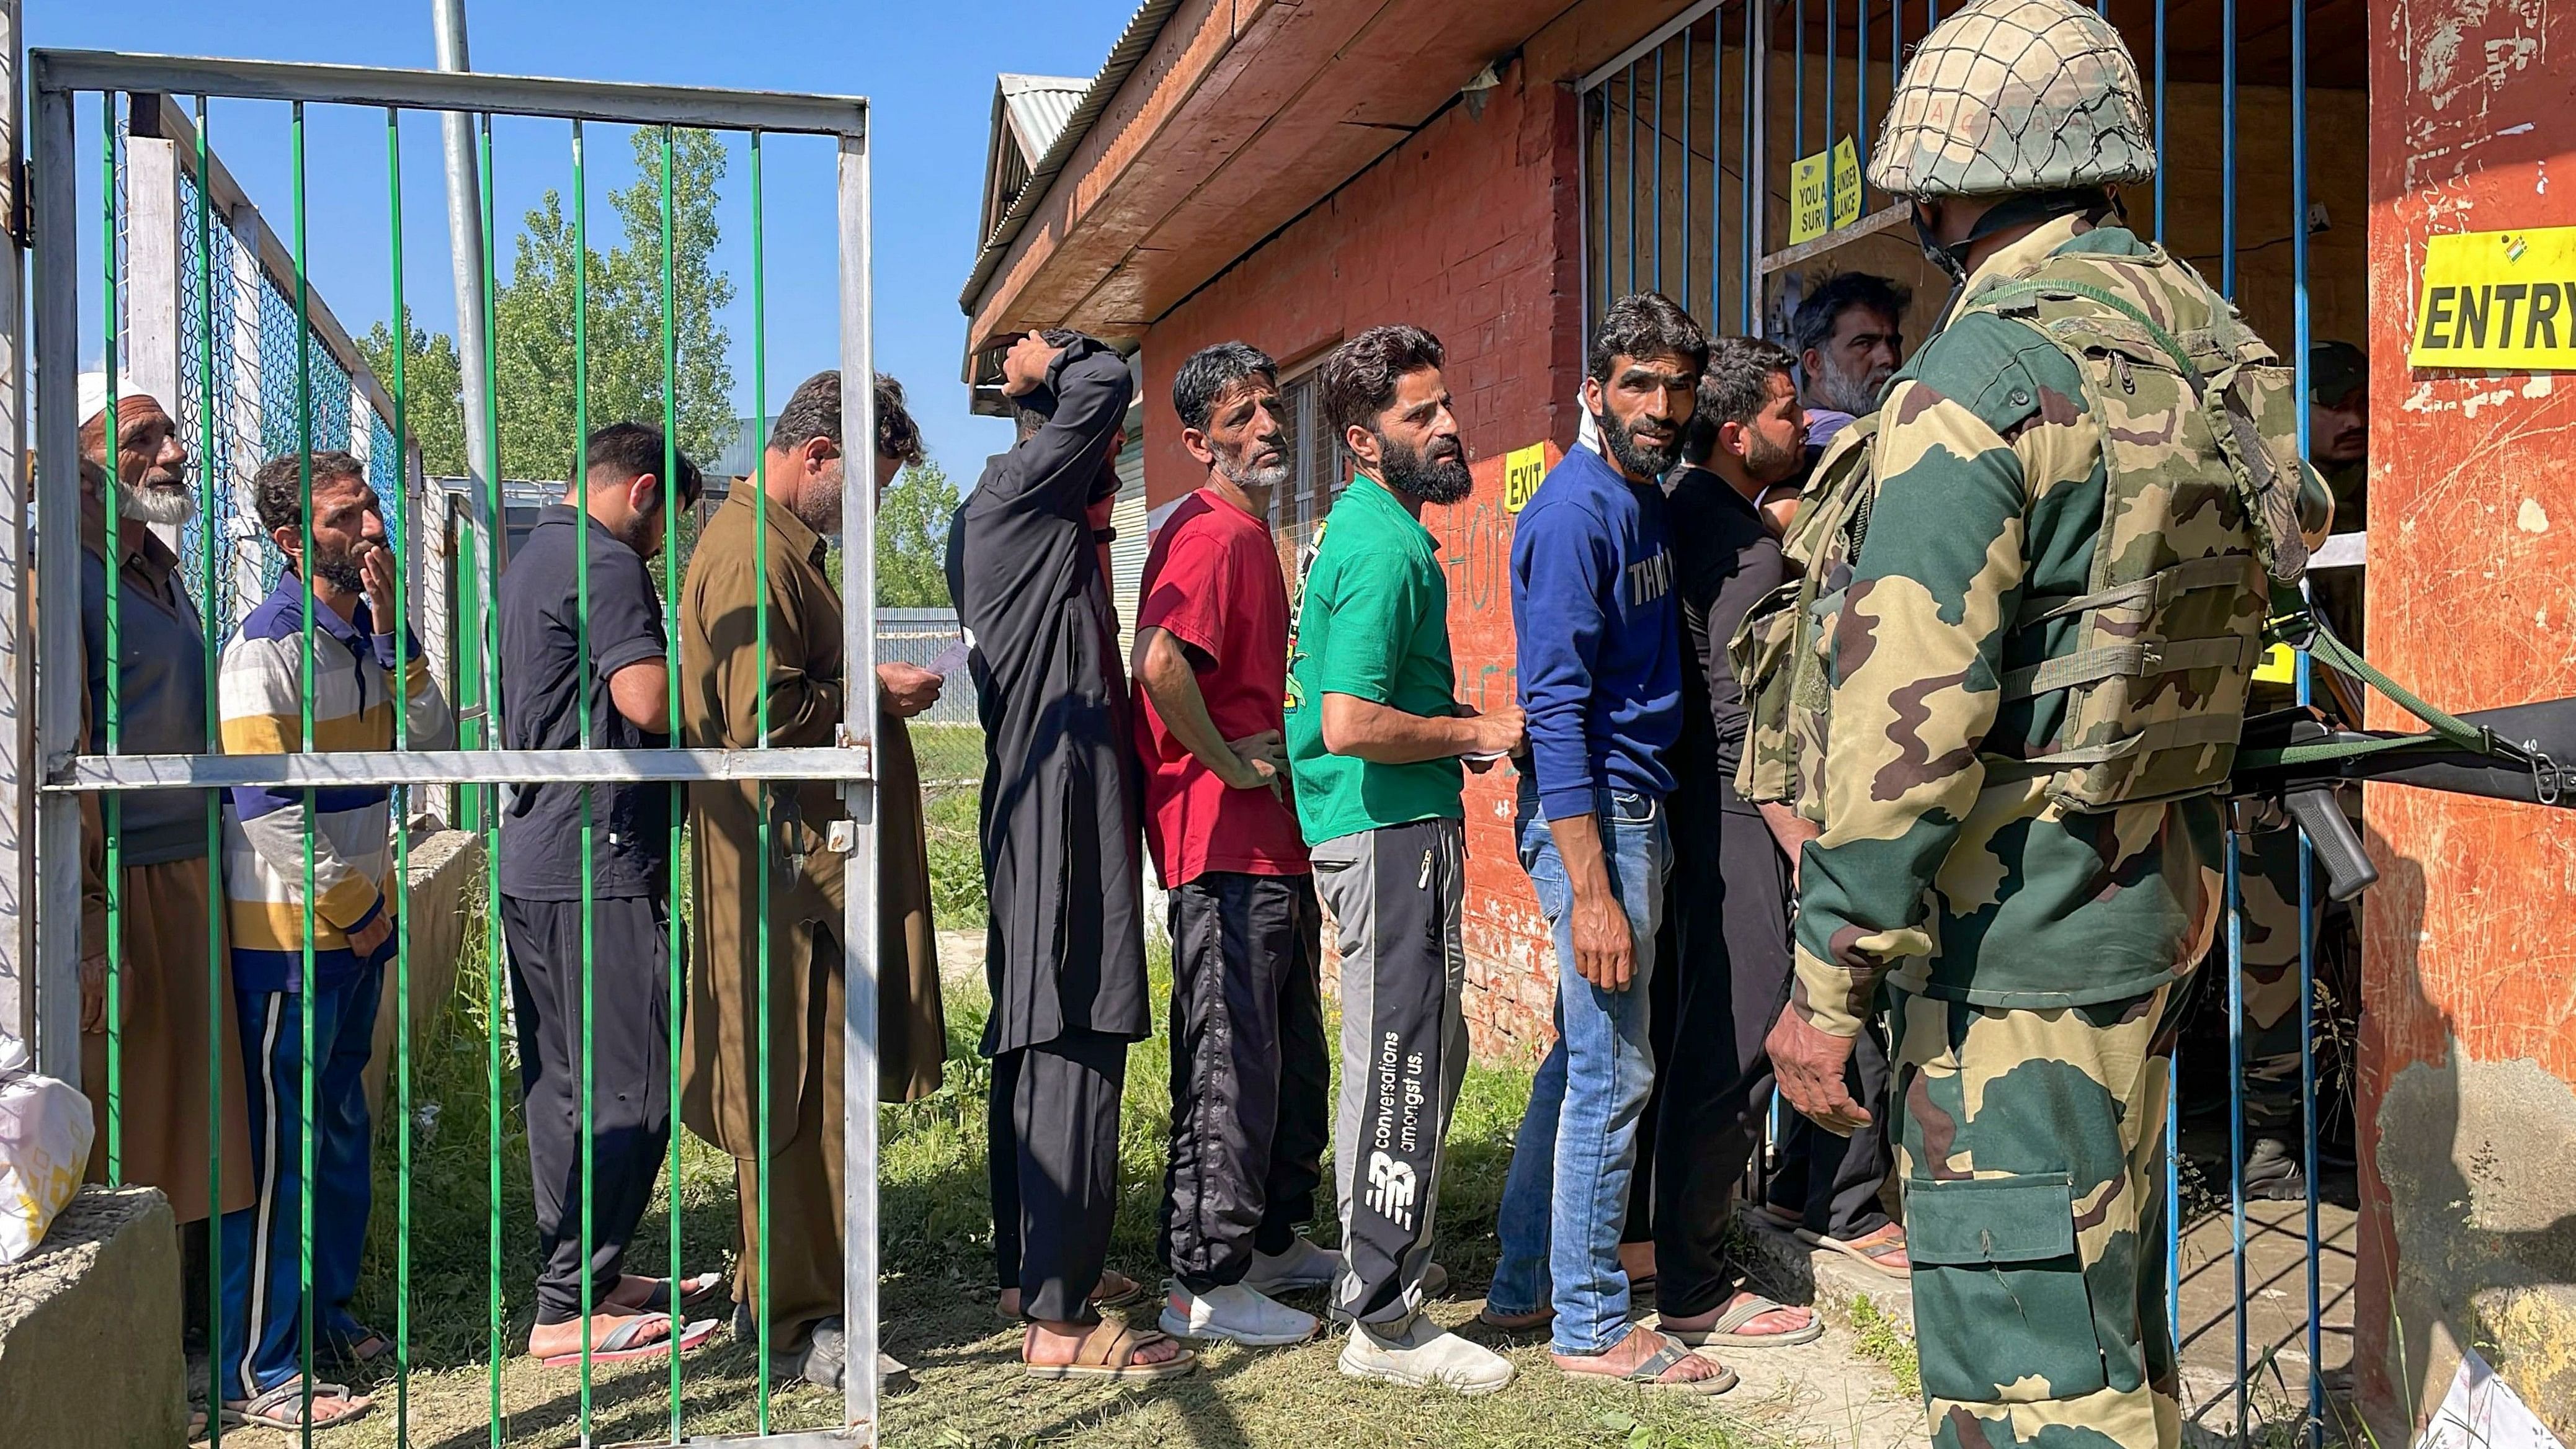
56,76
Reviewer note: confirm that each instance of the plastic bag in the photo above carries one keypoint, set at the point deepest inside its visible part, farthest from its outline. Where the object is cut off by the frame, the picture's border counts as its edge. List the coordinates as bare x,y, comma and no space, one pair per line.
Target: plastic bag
45,1130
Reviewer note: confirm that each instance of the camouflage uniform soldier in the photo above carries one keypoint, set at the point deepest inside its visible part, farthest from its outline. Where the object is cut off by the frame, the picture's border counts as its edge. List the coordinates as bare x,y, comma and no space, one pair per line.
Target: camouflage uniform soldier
2032,889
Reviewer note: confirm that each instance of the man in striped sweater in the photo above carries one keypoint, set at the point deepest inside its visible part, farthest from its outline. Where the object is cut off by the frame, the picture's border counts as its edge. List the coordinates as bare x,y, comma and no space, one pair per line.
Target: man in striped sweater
308,876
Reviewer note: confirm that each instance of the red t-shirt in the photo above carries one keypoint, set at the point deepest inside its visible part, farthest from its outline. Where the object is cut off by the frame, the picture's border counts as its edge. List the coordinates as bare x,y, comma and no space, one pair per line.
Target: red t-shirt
1212,581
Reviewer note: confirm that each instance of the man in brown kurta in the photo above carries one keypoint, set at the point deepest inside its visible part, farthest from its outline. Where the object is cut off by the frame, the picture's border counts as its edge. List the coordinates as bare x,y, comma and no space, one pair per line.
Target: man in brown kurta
723,683
167,1003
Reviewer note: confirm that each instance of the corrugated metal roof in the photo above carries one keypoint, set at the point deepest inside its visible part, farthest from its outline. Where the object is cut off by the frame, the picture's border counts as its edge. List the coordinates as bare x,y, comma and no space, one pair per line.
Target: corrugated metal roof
1133,43
1039,105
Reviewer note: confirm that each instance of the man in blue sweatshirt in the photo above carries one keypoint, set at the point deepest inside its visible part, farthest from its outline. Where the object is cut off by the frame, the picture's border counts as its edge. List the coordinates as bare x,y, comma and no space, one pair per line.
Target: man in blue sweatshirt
1597,630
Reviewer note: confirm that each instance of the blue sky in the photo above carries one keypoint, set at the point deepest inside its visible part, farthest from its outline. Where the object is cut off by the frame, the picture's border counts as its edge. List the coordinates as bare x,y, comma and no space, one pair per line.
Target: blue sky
927,69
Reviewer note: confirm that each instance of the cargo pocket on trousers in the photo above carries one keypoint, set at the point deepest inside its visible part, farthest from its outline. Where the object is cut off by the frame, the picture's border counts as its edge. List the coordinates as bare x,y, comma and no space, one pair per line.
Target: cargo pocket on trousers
2001,1310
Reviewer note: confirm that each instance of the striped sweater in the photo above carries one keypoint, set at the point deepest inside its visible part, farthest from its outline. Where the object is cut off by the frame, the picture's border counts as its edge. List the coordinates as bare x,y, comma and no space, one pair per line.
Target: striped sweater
350,828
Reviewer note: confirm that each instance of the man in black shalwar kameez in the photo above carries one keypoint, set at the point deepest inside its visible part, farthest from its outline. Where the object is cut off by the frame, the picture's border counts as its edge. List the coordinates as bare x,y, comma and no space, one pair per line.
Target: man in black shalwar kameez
1065,951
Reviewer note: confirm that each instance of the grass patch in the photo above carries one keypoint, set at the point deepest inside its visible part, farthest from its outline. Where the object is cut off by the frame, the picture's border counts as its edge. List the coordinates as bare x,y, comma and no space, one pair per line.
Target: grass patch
1885,1342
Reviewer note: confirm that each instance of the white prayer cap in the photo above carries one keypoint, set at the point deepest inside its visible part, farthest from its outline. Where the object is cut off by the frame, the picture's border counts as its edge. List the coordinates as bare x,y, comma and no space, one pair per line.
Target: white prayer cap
93,393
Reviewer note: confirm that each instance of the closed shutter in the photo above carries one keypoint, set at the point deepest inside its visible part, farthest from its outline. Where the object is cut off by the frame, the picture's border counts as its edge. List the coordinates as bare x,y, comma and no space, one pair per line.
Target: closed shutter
1127,551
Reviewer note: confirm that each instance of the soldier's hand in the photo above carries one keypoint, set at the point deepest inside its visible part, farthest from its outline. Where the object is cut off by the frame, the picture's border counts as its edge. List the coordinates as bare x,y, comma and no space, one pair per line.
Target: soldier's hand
1604,953
1809,1065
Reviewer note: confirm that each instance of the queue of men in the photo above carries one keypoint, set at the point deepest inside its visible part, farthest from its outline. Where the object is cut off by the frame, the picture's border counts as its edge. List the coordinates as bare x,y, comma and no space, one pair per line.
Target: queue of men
1956,971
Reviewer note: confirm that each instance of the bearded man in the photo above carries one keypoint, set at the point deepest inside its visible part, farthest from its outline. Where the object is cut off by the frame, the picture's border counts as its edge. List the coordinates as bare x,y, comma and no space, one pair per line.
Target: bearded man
1600,672
1376,738
165,890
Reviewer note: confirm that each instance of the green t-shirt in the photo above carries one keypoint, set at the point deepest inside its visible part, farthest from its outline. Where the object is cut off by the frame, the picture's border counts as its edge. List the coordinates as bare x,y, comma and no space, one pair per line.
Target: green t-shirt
1373,623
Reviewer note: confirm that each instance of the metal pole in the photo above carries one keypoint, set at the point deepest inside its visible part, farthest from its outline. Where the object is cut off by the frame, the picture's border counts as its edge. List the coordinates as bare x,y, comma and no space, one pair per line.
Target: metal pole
465,250
57,576
859,923
17,655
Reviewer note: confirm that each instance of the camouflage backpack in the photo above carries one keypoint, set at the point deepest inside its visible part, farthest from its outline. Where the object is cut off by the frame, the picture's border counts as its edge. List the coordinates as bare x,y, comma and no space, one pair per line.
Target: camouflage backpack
2200,526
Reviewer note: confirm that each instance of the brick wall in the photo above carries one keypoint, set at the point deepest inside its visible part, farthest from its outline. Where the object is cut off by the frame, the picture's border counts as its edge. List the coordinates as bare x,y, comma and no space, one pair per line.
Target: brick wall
1468,229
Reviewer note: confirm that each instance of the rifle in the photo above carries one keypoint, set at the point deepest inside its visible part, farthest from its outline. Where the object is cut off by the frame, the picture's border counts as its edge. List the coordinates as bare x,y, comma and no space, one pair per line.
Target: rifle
2298,758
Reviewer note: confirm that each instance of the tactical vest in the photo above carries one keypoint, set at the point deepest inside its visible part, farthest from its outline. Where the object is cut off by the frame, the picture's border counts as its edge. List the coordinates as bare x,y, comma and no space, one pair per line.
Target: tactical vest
2199,527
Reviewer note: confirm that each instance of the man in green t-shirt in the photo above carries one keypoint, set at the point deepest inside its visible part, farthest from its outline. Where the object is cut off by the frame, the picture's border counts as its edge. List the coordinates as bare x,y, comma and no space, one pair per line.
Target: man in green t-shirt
1376,738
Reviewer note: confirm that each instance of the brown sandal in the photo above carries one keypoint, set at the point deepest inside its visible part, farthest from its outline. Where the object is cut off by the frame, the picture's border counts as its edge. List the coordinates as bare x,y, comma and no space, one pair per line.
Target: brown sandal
1874,1249
1109,1352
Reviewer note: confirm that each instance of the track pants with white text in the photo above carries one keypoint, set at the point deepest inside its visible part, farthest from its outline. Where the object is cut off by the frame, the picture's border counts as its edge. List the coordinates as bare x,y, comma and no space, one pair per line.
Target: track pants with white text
1396,896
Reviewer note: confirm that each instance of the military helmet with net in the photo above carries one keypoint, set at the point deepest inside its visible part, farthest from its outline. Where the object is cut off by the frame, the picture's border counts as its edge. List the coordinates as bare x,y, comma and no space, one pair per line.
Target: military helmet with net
2016,96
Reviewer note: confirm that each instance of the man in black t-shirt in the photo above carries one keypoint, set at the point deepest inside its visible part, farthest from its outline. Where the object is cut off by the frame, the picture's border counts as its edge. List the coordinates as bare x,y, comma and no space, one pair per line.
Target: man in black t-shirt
606,686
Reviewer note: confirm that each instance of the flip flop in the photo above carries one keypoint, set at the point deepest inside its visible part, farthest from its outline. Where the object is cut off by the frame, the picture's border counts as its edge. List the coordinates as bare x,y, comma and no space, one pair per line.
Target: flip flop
627,1341
1860,1250
367,1347
693,1292
1650,1373
1109,1352
1516,1322
1722,1333
283,1407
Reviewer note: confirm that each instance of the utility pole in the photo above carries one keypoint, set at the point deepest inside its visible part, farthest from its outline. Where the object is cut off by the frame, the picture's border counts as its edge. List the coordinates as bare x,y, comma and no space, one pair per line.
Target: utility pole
465,247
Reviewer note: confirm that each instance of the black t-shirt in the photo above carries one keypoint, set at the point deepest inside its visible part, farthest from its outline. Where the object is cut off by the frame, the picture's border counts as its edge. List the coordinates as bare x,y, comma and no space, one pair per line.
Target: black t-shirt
541,675
1725,561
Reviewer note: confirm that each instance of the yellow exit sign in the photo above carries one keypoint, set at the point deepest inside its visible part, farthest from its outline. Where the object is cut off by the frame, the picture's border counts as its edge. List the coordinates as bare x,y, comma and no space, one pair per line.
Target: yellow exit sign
1522,470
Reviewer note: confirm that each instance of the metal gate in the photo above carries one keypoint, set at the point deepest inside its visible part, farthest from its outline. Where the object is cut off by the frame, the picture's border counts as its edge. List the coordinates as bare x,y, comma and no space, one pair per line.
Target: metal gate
1695,143
64,767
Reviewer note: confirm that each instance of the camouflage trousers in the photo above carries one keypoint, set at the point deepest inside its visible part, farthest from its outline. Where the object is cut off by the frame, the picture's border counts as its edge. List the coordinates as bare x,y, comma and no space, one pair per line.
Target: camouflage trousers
2267,868
2031,1148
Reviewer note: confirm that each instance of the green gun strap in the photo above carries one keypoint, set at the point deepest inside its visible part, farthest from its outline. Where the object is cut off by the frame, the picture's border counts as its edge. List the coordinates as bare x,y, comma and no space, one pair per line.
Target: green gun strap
2140,658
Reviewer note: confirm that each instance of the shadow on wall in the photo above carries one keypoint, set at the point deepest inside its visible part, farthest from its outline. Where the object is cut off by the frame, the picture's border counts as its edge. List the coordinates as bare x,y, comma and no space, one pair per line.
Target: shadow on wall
2478,1164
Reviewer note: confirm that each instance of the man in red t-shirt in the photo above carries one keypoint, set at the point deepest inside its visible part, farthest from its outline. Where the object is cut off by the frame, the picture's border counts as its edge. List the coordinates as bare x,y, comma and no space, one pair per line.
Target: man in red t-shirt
1250,1068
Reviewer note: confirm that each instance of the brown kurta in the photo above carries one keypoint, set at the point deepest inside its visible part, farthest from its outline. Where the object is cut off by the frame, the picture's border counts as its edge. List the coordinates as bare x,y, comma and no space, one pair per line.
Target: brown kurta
163,994
722,683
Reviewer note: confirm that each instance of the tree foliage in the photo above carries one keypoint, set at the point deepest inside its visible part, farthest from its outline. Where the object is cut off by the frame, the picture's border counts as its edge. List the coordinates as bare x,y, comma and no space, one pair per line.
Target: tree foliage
912,539
433,391
534,363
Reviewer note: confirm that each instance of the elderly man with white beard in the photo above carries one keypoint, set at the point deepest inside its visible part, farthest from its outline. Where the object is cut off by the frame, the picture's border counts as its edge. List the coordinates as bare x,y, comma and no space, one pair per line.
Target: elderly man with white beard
164,886
1850,337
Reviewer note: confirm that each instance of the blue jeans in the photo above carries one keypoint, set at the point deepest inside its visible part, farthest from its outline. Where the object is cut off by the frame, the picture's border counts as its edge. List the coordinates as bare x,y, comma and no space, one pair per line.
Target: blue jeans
1566,1198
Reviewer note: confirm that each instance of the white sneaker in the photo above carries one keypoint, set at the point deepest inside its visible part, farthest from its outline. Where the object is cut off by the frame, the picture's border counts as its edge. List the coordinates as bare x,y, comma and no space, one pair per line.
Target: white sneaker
1424,1355
1236,1314
1303,1266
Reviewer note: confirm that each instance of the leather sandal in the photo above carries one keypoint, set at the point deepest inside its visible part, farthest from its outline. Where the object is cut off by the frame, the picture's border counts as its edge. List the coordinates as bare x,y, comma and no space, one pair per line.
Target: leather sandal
1109,1352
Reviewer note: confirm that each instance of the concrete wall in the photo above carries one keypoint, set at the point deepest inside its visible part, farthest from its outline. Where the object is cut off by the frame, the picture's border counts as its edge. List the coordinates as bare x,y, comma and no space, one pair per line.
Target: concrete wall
89,1328
2467,1059
445,866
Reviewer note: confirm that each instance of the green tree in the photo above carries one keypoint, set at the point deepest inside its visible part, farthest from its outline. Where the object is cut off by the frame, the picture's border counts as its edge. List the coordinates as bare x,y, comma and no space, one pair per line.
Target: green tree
912,539
533,373
433,391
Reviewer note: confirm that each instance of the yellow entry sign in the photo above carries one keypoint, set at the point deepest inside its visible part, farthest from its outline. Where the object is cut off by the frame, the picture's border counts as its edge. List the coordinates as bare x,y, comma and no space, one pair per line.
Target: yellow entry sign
1807,218
1522,470
2498,299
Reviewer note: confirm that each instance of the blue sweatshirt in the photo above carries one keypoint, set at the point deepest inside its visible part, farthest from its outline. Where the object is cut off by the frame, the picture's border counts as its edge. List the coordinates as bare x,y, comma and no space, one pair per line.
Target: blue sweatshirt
1594,619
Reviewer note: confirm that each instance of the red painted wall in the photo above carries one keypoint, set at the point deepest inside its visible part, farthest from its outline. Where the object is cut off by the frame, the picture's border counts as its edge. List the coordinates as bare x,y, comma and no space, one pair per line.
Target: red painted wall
1469,229
2467,1053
